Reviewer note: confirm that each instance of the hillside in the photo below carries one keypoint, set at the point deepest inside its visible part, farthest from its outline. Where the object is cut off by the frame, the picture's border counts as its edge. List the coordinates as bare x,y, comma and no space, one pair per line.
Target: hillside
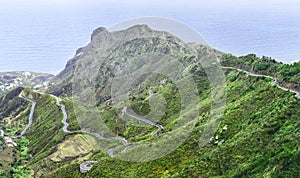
142,103
286,75
261,139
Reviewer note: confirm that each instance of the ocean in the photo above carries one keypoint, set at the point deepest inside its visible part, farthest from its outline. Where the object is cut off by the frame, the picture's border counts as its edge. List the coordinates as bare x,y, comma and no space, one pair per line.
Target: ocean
42,40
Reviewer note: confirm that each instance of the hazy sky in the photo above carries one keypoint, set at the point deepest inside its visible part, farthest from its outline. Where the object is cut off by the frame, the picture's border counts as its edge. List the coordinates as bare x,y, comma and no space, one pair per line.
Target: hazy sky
172,3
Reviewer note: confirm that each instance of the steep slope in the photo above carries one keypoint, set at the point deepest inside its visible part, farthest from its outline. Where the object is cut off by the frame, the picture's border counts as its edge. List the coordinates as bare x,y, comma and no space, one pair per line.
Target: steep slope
13,114
287,75
13,111
42,148
141,58
106,47
258,135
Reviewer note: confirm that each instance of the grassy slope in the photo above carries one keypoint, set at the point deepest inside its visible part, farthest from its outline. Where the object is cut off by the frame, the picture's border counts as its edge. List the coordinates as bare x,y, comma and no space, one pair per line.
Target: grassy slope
262,138
47,139
45,132
287,75
14,112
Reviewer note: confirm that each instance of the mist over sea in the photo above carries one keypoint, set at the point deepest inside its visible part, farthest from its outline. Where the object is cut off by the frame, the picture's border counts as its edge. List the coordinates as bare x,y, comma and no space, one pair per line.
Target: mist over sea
42,40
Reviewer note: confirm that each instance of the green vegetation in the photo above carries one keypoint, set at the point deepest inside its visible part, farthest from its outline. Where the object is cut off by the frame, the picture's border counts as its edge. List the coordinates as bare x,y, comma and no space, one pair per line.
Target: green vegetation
6,160
259,133
261,140
40,140
14,112
286,74
22,157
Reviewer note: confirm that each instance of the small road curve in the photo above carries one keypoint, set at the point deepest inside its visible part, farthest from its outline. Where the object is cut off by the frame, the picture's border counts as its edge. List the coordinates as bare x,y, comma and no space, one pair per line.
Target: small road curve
110,152
87,166
129,112
273,78
30,118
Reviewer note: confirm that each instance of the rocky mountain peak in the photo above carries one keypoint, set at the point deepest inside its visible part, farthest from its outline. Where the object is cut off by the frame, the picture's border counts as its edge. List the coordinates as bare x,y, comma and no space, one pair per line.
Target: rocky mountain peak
100,35
140,28
102,32
131,41
99,30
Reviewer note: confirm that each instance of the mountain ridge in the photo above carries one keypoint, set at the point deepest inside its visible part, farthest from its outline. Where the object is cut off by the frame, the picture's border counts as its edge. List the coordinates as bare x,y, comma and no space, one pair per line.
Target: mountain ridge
104,42
258,135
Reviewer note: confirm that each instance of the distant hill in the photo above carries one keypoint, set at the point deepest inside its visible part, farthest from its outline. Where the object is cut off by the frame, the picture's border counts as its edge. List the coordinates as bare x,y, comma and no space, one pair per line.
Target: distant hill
11,80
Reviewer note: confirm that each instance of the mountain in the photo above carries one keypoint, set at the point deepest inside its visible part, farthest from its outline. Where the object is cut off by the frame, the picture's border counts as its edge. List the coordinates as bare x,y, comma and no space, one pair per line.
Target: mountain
11,80
143,103
135,41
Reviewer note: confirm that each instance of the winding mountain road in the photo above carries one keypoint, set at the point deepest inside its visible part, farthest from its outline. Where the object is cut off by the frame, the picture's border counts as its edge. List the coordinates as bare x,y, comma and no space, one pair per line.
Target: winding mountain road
110,151
30,118
267,76
87,166
66,125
